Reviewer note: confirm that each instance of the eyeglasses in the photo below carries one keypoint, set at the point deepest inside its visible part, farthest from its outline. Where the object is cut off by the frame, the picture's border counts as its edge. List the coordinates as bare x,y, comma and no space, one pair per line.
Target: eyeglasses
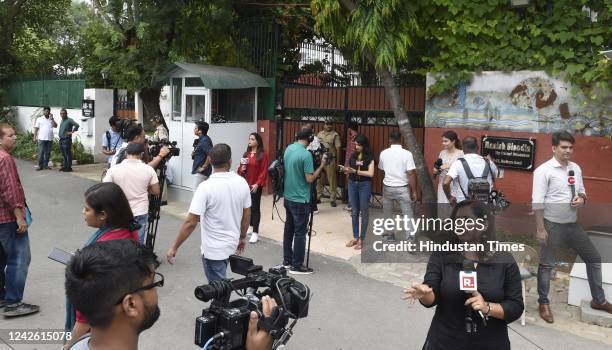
158,281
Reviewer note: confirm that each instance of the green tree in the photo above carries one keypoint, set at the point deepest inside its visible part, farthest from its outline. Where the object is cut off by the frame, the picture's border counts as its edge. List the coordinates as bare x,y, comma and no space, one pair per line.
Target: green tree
21,19
381,33
135,41
562,37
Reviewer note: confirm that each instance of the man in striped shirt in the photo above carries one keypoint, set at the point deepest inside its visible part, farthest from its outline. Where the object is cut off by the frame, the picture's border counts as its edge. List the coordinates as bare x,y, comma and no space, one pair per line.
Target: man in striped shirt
14,240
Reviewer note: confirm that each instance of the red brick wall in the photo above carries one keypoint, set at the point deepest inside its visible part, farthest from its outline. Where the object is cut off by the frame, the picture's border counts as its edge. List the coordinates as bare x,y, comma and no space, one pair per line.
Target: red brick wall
593,154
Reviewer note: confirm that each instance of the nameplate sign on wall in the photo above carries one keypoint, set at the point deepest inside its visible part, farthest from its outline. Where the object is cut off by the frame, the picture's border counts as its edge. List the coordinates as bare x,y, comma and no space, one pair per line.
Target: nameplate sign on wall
88,108
509,152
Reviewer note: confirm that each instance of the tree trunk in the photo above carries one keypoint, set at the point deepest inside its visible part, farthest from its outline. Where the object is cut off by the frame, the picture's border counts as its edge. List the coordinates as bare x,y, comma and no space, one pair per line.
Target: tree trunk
392,91
150,103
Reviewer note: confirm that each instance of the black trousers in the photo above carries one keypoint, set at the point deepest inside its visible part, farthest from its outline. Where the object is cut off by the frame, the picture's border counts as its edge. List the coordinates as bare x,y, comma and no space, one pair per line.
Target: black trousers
256,209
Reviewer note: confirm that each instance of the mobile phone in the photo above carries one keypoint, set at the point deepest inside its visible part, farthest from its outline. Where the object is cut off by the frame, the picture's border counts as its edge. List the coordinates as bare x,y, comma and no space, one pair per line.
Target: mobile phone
61,256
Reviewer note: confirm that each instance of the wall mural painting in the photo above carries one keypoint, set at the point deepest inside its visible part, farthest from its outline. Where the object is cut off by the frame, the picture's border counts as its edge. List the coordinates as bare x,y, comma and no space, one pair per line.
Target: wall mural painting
523,101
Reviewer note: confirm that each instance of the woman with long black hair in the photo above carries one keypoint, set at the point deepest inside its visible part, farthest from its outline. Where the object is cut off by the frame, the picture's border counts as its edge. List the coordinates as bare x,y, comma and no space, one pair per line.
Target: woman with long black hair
254,168
498,300
360,171
451,151
107,209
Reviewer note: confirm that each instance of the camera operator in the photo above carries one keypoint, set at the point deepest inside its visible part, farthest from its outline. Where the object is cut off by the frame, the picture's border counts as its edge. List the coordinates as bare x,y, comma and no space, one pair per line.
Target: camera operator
471,315
201,150
222,205
111,139
137,180
298,177
114,285
134,133
331,141
473,162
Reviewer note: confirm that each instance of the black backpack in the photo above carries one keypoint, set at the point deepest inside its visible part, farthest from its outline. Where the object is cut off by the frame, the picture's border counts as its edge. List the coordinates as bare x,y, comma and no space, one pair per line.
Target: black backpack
276,171
479,188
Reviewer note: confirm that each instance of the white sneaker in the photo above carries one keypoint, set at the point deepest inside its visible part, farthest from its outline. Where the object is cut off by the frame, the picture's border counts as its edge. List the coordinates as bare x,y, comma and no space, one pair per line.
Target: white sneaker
254,237
250,229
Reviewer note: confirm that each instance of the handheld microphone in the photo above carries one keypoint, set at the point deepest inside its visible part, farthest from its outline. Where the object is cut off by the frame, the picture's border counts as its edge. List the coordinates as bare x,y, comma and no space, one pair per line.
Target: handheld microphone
468,282
437,165
571,181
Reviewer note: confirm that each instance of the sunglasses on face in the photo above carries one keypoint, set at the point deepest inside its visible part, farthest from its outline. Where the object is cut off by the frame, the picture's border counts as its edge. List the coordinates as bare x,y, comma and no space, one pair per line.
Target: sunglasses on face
158,281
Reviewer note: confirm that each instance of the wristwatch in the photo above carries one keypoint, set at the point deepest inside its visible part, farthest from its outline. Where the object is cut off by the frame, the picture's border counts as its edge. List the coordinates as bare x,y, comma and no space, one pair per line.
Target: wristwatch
486,314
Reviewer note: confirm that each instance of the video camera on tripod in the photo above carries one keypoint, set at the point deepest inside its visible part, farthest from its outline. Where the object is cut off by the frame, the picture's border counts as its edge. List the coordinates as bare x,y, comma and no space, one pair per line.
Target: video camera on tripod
224,325
155,201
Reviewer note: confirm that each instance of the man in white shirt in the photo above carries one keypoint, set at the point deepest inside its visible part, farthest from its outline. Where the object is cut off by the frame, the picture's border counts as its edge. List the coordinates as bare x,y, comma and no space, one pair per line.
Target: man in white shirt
137,180
222,206
399,184
558,190
457,173
43,135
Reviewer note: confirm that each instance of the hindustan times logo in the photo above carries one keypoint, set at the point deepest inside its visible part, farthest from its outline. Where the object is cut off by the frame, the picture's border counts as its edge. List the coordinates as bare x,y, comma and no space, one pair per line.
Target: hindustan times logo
409,224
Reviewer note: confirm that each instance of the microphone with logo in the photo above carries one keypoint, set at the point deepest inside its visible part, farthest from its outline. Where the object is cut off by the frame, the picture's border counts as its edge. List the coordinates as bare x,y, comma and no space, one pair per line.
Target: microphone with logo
571,181
438,166
468,282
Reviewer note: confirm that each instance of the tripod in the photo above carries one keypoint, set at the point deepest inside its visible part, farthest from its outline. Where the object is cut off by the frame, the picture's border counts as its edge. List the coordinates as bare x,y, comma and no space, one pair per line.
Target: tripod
313,202
155,206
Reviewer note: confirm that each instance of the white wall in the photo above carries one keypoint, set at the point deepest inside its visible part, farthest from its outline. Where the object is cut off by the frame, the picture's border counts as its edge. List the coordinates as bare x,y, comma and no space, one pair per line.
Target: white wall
99,124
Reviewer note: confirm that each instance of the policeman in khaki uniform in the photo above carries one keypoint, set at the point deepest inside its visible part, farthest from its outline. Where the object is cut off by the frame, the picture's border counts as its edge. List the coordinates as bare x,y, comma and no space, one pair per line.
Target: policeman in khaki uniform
331,140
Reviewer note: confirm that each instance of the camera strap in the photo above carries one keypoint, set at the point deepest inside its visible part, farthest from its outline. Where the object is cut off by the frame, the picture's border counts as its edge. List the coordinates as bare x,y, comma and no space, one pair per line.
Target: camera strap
275,323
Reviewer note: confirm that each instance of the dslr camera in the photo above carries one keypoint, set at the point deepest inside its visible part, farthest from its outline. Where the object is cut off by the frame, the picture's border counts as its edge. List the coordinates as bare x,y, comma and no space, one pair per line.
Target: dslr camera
155,146
224,325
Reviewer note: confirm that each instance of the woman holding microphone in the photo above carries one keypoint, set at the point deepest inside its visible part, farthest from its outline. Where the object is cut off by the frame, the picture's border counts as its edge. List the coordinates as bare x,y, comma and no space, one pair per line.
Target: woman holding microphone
451,151
477,319
254,168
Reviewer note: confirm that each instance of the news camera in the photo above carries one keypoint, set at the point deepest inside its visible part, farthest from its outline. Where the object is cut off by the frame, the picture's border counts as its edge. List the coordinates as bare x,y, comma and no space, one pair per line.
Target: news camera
155,147
318,153
224,325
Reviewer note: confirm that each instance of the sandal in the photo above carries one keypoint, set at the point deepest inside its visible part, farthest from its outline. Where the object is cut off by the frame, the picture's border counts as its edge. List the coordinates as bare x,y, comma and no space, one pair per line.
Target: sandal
358,246
352,242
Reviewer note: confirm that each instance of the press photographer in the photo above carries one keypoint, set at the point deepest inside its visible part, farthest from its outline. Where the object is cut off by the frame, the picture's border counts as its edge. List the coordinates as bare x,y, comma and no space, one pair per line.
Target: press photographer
134,133
478,319
223,326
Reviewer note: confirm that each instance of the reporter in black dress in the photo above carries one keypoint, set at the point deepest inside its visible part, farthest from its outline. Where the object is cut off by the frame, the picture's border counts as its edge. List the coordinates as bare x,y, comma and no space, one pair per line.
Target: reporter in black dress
498,298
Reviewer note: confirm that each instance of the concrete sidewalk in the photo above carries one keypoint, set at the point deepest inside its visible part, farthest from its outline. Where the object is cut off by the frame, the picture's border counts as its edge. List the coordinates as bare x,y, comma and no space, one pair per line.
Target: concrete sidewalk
332,229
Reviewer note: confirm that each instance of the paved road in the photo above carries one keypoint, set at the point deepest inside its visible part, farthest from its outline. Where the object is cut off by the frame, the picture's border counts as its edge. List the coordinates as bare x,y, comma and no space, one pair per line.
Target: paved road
348,311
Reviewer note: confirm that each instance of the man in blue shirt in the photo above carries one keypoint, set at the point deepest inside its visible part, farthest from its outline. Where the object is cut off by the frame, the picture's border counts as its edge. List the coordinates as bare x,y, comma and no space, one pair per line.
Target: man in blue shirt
111,140
201,161
298,176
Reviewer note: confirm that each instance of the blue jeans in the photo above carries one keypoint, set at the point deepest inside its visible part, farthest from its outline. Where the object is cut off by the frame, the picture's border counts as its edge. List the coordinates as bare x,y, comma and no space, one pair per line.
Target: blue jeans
142,232
65,145
14,261
294,239
214,270
359,195
44,153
